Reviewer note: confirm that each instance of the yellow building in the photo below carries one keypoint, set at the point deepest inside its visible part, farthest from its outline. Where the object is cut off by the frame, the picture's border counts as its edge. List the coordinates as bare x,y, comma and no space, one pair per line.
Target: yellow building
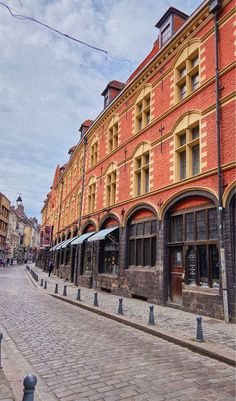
4,218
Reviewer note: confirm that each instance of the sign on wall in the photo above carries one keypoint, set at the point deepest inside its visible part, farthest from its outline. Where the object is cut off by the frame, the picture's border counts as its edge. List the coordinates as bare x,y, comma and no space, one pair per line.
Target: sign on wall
47,235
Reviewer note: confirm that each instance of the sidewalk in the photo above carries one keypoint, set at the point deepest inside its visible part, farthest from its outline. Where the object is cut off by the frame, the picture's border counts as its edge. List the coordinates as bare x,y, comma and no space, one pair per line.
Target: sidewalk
171,324
5,390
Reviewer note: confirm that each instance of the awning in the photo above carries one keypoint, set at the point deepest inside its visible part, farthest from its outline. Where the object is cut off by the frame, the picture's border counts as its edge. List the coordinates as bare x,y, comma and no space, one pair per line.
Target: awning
52,249
68,241
58,246
82,238
102,234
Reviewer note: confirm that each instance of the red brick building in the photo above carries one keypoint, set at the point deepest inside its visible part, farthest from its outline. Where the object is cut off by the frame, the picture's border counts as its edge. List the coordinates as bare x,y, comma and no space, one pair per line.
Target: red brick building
146,201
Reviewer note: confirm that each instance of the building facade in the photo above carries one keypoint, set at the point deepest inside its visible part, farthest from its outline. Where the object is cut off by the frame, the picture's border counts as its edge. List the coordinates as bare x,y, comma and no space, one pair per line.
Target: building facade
4,219
146,201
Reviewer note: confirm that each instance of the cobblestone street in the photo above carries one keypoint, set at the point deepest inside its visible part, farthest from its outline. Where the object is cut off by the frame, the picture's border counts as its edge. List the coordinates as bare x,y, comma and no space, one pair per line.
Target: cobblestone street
80,356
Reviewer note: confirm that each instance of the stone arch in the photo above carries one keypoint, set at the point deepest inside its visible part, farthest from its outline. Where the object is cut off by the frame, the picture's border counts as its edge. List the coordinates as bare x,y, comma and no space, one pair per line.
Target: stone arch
110,168
113,120
186,50
109,216
87,224
228,194
181,195
138,207
141,148
186,120
146,89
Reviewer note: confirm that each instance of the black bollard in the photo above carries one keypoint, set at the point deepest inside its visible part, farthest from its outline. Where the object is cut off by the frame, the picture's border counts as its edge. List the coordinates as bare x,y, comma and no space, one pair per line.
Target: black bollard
78,298
41,284
45,284
64,291
120,307
199,334
1,337
151,315
56,289
95,302
29,384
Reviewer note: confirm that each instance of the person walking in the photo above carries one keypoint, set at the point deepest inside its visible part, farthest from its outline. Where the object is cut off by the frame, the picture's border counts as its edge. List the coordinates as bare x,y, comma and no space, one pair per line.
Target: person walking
50,267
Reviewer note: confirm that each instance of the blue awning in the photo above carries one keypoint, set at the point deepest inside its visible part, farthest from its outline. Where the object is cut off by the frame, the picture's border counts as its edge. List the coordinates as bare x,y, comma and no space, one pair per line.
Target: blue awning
100,235
82,238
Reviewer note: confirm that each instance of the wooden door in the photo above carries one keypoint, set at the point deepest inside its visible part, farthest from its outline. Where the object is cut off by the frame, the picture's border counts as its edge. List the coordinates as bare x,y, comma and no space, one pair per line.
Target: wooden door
176,273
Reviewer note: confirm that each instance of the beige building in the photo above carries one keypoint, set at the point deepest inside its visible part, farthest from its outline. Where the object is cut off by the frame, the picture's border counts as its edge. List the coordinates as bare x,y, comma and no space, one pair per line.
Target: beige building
4,218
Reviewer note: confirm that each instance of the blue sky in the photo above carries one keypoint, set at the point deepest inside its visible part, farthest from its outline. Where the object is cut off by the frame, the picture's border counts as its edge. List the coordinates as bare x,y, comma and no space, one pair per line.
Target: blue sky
50,85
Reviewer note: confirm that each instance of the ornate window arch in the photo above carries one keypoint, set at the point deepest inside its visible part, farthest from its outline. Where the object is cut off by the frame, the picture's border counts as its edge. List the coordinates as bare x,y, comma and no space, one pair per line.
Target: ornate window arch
141,168
187,72
143,108
94,151
113,134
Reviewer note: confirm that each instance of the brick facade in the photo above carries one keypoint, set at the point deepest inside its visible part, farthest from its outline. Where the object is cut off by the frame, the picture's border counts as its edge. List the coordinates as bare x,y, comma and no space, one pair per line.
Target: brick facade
159,132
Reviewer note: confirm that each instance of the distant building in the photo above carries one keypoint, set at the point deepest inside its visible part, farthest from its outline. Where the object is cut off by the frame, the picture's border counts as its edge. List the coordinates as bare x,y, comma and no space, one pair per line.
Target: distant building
4,219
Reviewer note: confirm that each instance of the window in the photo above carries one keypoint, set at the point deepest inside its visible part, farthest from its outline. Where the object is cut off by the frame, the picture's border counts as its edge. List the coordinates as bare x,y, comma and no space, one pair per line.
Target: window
141,174
188,153
199,245
94,153
91,196
143,113
142,243
187,75
165,34
111,188
113,137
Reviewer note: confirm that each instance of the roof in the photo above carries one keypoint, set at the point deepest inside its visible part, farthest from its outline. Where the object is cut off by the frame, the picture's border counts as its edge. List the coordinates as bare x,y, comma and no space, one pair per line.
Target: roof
86,124
171,10
72,149
115,85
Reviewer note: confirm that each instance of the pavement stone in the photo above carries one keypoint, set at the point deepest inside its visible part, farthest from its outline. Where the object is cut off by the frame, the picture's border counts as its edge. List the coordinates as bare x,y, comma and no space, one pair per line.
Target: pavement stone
62,343
172,321
6,393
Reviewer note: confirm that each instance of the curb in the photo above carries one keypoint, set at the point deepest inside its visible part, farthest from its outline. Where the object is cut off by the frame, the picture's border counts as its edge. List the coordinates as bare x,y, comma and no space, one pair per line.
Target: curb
200,348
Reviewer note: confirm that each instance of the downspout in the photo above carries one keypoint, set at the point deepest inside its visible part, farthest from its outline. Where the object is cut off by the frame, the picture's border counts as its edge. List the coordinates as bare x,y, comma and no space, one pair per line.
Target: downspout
215,8
81,208
59,222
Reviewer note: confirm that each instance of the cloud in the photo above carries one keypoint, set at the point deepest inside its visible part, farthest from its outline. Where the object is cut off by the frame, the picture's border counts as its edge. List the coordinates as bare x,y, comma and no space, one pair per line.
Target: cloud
50,85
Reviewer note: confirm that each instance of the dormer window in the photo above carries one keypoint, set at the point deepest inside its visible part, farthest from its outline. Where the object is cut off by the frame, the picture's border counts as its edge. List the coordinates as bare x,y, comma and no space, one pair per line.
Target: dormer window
111,91
169,23
106,98
165,34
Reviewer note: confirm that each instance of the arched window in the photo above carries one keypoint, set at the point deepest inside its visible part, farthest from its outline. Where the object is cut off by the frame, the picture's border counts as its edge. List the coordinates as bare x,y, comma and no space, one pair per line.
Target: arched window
94,151
112,134
91,195
187,147
142,170
111,177
187,77
143,109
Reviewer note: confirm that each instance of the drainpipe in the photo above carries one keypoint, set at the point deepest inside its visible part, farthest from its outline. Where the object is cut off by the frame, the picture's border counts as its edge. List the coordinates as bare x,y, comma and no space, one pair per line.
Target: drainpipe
77,255
215,8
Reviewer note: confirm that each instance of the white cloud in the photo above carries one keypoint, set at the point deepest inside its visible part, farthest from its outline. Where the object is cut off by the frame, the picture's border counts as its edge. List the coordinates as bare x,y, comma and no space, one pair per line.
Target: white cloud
50,85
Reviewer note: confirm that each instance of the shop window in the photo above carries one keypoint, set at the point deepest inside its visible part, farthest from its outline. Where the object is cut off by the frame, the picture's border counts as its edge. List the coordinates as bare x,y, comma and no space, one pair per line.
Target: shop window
187,76
199,244
142,243
188,153
141,174
143,110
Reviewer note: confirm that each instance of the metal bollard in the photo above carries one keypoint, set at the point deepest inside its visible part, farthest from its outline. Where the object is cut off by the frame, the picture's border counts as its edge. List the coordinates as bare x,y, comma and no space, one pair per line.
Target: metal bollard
64,291
29,384
78,298
37,278
41,284
151,315
1,337
95,302
56,289
120,307
45,284
199,334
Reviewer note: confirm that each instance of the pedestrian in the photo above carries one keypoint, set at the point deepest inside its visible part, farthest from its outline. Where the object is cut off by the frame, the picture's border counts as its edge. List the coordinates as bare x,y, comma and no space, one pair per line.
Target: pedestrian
50,267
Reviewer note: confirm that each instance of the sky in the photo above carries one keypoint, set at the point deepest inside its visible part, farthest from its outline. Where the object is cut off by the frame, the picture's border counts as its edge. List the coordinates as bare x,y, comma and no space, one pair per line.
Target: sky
49,84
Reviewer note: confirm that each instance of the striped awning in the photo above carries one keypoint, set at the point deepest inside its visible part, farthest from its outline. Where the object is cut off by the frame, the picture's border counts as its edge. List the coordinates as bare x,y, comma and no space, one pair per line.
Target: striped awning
100,235
82,238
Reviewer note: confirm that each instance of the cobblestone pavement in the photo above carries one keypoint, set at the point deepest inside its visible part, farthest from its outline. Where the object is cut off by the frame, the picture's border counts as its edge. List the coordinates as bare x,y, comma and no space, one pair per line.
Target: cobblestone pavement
5,390
80,356
170,320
